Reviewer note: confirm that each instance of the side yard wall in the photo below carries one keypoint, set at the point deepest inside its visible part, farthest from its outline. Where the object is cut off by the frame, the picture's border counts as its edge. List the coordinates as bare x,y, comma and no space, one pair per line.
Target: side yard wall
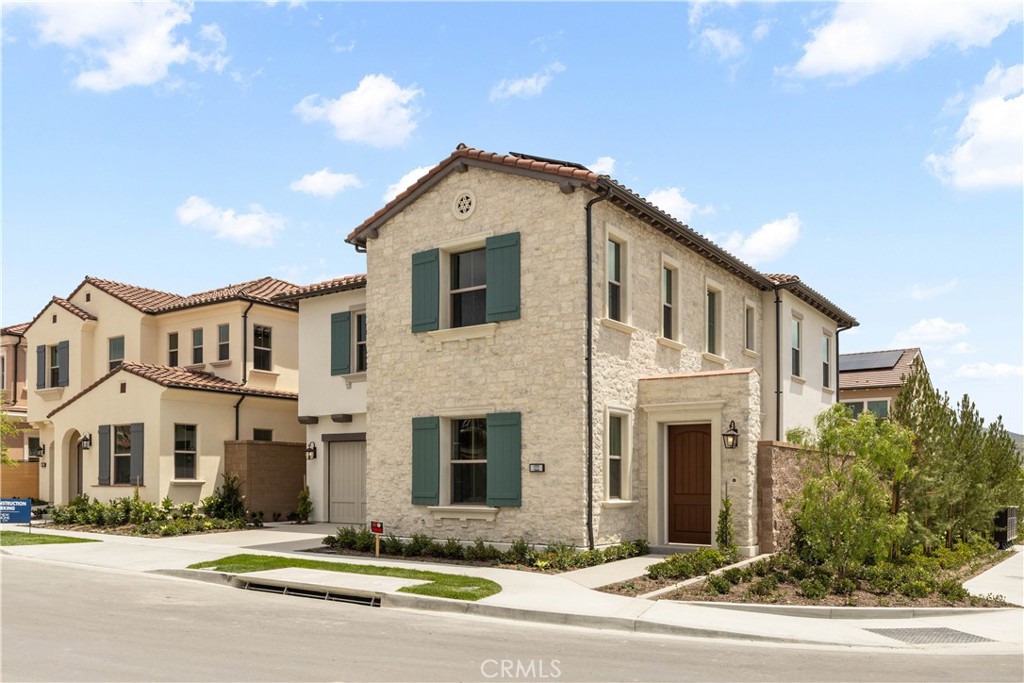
272,474
20,481
779,478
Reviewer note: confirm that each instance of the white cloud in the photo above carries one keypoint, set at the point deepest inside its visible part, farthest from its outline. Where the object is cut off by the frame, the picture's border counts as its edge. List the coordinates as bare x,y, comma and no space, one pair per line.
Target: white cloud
379,112
989,149
761,30
257,228
768,242
121,44
671,201
727,44
323,183
603,166
989,371
922,292
929,331
862,38
961,348
404,182
527,87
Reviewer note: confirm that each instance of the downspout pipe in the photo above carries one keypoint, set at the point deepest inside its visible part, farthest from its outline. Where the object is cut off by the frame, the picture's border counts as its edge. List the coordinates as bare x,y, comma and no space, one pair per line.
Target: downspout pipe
245,344
13,399
238,413
590,366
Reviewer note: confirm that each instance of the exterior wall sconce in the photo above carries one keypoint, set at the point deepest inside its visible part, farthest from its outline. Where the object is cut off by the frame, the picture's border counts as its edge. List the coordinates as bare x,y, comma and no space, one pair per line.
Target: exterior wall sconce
311,451
38,452
731,436
85,442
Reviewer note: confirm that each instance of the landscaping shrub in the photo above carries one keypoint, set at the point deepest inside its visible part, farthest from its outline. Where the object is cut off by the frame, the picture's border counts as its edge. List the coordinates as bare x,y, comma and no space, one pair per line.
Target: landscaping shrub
733,575
452,549
304,506
417,546
725,537
688,565
914,589
716,584
952,591
764,587
520,552
844,586
392,545
813,589
481,552
227,501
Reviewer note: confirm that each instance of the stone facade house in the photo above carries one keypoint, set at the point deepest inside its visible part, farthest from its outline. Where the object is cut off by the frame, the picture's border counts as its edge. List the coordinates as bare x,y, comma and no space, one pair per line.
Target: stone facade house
129,386
552,357
872,379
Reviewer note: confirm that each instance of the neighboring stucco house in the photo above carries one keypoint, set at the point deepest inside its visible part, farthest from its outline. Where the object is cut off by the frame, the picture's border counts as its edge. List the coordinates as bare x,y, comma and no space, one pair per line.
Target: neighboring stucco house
552,357
132,386
21,480
332,395
872,379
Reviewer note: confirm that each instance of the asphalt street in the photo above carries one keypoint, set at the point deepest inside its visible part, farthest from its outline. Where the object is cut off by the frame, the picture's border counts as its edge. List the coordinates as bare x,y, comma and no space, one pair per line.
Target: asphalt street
74,623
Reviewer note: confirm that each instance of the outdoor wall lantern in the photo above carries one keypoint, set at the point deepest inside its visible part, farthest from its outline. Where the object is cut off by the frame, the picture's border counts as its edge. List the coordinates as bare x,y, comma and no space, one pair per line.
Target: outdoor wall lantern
38,452
731,436
311,451
86,442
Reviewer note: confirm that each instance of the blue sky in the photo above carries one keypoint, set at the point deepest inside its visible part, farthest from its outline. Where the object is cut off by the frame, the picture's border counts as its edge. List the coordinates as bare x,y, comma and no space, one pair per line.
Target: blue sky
875,150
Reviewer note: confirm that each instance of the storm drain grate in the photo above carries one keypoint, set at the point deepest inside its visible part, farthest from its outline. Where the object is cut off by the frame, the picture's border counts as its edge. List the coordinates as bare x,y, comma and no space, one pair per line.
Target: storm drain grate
929,636
316,594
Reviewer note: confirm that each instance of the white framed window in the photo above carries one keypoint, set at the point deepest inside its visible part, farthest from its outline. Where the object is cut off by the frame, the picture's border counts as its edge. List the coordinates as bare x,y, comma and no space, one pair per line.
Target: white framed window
262,434
467,461
468,287
880,407
3,375
360,341
796,329
122,454
185,450
670,302
115,351
749,325
54,366
261,347
172,349
826,361
223,341
617,294
197,346
618,448
713,318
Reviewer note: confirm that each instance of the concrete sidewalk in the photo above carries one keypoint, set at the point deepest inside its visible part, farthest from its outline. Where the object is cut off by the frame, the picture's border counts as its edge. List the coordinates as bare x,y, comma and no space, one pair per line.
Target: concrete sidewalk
568,599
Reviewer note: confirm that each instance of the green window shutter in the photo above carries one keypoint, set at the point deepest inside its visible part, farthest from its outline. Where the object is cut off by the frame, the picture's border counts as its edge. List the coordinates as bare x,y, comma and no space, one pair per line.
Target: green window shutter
104,475
62,360
504,469
426,465
41,366
503,277
137,454
341,343
425,290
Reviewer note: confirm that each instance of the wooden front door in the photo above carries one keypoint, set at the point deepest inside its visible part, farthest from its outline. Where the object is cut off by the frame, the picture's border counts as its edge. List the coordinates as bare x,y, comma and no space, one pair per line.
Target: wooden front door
689,484
347,482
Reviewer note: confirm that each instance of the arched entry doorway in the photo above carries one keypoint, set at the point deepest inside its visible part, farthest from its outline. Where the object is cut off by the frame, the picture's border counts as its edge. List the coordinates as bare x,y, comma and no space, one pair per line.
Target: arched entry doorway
74,478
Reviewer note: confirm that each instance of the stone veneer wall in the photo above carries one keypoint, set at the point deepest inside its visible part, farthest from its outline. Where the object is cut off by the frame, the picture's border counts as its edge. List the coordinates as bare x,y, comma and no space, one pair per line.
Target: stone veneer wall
779,479
272,473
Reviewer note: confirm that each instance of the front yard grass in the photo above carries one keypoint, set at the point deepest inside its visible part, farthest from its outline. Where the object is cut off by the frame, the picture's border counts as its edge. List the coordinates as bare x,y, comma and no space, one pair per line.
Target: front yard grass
23,538
453,586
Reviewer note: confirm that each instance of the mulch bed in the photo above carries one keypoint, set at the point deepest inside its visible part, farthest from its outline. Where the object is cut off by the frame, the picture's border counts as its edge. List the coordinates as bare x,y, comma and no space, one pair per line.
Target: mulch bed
325,550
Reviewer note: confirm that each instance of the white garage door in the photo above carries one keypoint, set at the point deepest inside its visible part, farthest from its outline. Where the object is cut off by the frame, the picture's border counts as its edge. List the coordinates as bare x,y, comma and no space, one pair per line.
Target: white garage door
348,482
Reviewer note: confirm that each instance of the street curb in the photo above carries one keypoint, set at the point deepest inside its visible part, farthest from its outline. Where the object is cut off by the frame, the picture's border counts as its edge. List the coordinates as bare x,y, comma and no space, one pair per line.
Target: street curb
823,612
204,575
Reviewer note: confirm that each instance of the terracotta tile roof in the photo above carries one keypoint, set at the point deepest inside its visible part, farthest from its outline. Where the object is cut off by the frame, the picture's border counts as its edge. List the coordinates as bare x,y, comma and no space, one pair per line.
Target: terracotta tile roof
338,284
70,308
17,330
142,298
879,377
576,175
264,290
178,378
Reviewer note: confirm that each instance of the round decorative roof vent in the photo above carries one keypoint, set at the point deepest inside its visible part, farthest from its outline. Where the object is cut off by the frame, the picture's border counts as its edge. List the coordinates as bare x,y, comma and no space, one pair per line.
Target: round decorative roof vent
463,205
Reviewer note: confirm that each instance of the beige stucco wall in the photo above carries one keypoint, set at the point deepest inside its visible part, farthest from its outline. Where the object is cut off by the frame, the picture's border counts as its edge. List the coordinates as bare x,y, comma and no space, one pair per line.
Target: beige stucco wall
44,331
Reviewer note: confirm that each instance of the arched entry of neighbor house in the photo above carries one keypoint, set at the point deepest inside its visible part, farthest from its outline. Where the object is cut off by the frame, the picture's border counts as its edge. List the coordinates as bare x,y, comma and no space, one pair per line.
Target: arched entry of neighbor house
73,484
346,478
689,484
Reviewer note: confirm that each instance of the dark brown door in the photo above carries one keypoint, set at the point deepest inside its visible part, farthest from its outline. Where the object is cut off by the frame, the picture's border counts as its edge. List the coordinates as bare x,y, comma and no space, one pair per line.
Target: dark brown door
689,484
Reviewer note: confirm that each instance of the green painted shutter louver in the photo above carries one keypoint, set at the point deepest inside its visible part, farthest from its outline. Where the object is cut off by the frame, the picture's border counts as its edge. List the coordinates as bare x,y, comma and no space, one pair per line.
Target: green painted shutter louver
63,355
426,451
503,277
504,468
41,366
137,454
104,472
425,290
341,343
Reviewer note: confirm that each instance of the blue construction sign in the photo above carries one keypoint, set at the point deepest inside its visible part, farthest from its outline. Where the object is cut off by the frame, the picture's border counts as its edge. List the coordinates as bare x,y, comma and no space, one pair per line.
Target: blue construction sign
15,510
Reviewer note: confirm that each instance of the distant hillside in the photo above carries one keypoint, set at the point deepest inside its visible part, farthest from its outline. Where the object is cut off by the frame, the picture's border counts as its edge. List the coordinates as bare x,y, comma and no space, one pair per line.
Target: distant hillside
1019,439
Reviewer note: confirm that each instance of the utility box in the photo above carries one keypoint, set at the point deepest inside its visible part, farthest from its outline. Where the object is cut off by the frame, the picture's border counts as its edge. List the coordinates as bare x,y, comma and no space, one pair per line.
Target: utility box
1006,527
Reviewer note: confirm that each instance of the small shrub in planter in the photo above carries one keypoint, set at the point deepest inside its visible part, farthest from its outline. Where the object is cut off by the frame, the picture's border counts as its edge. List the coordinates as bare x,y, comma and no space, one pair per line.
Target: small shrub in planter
952,591
915,589
520,552
733,575
452,549
844,586
481,552
392,545
418,545
304,507
813,589
716,584
765,586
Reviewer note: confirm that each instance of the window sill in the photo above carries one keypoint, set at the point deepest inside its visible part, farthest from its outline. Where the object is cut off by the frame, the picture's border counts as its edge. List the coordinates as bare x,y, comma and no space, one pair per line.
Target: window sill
751,354
617,325
450,334
220,363
196,367
671,343
116,486
799,380
463,513
187,482
714,358
617,503
828,390
264,373
50,393
354,378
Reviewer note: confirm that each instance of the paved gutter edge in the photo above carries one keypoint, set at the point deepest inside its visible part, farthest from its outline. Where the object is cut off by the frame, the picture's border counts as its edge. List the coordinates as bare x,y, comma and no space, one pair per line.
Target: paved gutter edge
827,612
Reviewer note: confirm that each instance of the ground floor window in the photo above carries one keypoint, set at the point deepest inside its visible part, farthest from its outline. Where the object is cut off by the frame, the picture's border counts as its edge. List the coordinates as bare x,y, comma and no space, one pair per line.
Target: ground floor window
262,434
122,454
469,461
184,451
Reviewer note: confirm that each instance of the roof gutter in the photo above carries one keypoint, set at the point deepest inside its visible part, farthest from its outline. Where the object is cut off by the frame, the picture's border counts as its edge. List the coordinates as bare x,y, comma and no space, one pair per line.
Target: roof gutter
590,366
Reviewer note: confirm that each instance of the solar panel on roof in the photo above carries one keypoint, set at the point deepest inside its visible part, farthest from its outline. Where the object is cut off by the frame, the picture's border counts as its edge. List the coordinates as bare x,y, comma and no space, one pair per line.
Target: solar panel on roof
875,360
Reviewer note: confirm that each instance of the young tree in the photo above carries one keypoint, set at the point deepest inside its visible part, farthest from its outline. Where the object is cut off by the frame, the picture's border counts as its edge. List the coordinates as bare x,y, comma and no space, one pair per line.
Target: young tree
8,428
844,513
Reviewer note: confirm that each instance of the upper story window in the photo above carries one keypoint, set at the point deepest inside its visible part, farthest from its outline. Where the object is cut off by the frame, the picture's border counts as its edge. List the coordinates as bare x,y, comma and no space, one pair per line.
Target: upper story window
348,342
464,284
361,342
115,347
223,341
261,347
52,365
3,376
172,349
749,326
826,361
796,333
713,320
669,308
614,279
879,407
197,346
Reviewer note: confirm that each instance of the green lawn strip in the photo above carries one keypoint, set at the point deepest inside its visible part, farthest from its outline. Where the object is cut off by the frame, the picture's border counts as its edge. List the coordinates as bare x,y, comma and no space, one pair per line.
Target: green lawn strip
23,538
454,586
